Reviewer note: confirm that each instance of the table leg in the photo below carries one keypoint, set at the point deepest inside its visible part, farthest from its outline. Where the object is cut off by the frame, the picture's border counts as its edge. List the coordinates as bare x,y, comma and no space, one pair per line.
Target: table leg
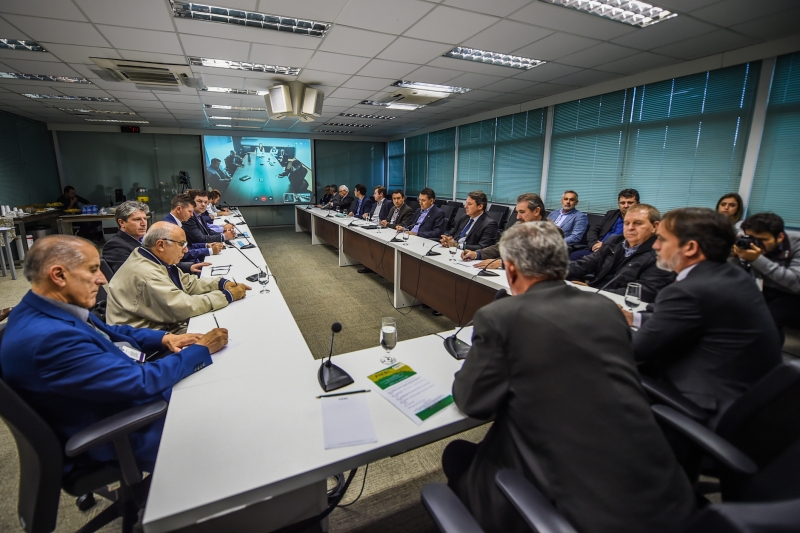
314,239
401,298
3,258
10,255
344,259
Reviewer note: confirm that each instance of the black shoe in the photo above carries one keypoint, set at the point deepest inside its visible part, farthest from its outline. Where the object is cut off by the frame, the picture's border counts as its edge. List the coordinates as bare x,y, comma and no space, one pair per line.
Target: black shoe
436,313
365,270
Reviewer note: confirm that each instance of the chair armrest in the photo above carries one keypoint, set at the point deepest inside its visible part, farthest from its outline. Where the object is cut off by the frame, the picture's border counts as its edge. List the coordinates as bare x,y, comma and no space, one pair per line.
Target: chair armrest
114,427
537,510
728,455
664,395
450,515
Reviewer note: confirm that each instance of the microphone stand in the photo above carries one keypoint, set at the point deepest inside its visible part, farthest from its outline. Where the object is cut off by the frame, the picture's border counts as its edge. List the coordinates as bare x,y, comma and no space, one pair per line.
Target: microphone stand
431,252
249,244
458,348
487,273
330,376
395,239
251,261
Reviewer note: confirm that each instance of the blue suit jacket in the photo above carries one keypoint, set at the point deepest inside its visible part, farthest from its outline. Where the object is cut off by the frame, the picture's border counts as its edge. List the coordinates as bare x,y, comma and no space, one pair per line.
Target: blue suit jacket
197,250
73,376
573,227
366,206
433,225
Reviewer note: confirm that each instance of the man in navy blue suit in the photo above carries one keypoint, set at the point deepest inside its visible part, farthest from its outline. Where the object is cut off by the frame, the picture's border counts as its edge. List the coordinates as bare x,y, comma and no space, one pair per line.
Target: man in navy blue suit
428,221
380,206
73,369
361,204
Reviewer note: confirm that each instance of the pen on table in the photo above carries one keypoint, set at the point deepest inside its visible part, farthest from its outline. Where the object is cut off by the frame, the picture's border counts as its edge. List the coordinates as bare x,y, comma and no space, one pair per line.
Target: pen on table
215,319
343,393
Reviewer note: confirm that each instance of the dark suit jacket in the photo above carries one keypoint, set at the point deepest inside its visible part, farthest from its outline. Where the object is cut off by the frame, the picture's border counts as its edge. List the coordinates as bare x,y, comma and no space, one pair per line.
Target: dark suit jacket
598,231
64,200
197,250
387,204
483,234
433,225
710,335
197,231
325,199
403,217
640,267
74,377
342,203
570,415
366,206
118,248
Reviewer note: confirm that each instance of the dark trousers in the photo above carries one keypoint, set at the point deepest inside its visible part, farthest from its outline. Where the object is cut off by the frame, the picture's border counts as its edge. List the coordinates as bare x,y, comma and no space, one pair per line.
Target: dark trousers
784,307
577,254
456,460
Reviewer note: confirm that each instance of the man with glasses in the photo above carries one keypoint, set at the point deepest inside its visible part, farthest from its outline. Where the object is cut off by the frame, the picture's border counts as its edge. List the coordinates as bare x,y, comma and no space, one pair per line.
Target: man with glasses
149,291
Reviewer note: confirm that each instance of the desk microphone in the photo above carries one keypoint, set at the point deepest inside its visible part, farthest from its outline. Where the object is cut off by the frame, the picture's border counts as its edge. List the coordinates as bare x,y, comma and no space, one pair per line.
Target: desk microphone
249,244
245,256
395,239
609,283
458,348
431,252
330,376
484,272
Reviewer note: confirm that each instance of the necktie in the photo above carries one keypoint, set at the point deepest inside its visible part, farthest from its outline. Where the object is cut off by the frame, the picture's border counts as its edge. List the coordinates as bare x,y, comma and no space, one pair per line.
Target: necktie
466,228
394,216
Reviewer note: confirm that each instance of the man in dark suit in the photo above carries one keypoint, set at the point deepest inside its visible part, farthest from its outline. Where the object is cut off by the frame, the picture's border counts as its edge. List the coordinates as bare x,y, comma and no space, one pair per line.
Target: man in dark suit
77,374
132,220
70,198
611,224
361,204
342,201
399,215
553,366
327,197
197,231
475,229
297,177
380,205
428,221
626,259
232,162
709,334
182,210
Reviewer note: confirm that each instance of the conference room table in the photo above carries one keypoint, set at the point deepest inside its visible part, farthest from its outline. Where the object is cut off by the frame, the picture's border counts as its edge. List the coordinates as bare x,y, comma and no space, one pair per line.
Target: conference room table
243,445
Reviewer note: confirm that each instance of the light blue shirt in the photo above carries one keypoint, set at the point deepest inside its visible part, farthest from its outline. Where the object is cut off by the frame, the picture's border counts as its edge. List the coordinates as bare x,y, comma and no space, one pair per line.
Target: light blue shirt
421,219
573,223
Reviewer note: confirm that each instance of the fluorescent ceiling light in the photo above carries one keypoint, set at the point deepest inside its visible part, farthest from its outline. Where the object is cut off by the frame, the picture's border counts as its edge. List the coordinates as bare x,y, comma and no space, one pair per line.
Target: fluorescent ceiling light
239,65
42,77
430,87
493,58
118,121
343,125
237,127
66,97
631,12
234,91
234,108
235,118
93,111
241,17
359,115
15,44
331,131
392,105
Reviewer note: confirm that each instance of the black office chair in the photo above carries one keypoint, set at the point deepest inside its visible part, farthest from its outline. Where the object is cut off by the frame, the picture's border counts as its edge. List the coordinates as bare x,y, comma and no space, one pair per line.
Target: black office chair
496,216
448,211
502,215
439,202
413,204
460,212
455,203
41,464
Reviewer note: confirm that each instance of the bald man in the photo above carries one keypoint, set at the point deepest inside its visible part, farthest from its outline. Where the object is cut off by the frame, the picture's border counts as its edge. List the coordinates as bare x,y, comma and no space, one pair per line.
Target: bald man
72,369
150,291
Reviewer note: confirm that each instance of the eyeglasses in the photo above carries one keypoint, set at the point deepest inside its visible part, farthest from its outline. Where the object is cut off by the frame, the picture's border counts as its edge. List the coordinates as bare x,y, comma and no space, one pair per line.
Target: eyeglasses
182,244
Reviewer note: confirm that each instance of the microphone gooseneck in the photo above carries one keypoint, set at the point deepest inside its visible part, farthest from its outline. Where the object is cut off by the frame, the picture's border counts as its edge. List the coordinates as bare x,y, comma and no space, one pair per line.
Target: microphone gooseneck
330,376
430,252
609,283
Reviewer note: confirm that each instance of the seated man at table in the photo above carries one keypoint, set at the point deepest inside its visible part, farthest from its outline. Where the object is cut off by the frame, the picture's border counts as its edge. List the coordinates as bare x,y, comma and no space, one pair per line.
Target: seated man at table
627,258
182,210
149,291
327,197
70,198
71,368
197,231
213,199
554,367
571,221
709,334
475,229
131,217
428,220
529,208
342,201
380,206
361,204
610,225
214,173
233,162
399,215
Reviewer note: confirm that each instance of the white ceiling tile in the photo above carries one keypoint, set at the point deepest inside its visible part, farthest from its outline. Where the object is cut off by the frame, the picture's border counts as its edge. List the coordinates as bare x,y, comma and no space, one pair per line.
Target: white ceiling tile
142,40
356,94
10,32
184,98
341,63
640,62
383,15
380,68
234,32
73,90
149,14
280,55
318,77
433,75
704,45
71,53
506,36
262,84
152,57
510,99
450,25
501,8
54,10
663,33
571,21
510,85
546,72
772,27
739,11
473,81
586,77
213,48
40,67
26,55
685,6
473,66
342,102
353,41
320,10
141,105
59,31
134,95
555,46
414,50
477,95
375,84
547,89
597,55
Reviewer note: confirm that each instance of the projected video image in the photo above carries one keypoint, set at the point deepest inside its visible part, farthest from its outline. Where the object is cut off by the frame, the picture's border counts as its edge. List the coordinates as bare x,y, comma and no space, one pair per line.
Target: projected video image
258,170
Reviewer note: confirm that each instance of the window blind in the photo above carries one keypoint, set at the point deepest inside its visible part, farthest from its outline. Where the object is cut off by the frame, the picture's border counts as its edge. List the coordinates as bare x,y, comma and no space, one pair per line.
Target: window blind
776,185
518,155
441,162
396,165
416,163
28,170
476,157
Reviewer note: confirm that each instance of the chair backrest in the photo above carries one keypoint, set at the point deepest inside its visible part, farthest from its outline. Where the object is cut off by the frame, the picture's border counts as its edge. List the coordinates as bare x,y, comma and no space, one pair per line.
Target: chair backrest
459,213
448,211
413,204
770,517
455,203
502,215
40,463
439,202
763,422
106,269
496,216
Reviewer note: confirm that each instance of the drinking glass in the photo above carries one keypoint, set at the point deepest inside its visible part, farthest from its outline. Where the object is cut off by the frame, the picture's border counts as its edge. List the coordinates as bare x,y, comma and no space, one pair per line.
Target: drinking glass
453,248
405,238
388,339
263,279
633,296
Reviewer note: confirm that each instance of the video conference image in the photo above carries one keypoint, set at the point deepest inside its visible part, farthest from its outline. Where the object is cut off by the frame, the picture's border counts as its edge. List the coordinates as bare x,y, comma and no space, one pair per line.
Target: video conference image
259,170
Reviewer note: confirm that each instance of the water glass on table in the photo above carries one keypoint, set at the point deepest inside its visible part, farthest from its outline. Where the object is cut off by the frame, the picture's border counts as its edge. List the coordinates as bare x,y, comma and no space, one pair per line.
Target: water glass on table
263,279
388,339
633,296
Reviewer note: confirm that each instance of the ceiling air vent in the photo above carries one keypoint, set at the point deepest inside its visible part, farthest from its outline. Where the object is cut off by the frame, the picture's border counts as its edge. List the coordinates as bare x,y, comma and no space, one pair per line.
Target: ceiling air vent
149,74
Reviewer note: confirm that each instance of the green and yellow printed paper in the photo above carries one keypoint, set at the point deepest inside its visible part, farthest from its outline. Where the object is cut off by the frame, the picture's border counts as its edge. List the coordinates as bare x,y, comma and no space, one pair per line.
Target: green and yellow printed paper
415,396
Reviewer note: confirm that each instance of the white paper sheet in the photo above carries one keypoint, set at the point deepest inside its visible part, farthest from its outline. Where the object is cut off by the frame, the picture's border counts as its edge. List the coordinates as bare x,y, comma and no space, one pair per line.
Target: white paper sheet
415,396
346,421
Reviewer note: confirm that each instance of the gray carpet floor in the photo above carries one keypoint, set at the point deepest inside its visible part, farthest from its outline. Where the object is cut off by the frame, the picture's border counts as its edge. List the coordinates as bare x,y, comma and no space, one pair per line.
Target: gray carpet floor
318,292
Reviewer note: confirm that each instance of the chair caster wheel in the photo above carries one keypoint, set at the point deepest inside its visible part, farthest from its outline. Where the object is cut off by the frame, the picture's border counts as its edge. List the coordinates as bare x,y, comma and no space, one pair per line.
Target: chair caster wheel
85,502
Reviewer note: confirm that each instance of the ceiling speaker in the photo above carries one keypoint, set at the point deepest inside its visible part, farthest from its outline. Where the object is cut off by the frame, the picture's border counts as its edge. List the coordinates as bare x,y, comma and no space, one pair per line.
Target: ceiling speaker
294,100
279,101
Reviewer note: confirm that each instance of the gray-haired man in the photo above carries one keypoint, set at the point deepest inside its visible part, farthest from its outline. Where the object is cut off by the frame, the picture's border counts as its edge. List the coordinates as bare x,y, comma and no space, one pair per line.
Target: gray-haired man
131,216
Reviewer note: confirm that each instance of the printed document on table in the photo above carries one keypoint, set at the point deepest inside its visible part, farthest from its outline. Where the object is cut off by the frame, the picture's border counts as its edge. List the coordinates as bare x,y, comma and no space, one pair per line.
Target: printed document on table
415,396
346,421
